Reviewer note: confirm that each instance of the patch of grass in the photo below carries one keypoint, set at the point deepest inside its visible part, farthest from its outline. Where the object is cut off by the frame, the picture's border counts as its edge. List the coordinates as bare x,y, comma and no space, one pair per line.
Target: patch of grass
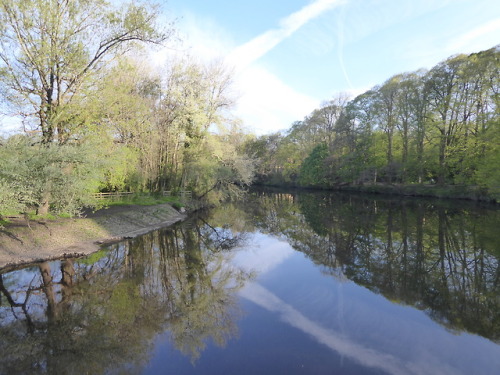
34,216
93,258
145,200
8,213
4,222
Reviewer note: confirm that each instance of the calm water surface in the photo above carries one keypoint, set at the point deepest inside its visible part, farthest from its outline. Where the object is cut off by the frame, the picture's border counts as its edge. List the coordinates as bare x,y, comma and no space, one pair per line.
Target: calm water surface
302,283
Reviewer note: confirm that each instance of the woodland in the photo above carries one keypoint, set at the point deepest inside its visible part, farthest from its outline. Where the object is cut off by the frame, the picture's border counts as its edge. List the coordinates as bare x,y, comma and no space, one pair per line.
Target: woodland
424,128
98,116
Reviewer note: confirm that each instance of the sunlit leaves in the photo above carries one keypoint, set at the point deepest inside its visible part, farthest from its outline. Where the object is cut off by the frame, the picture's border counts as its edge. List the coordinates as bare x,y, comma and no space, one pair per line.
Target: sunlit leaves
419,127
51,50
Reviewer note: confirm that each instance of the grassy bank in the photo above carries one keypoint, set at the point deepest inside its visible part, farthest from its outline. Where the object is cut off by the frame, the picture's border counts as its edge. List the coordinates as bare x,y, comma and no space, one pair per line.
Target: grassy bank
147,200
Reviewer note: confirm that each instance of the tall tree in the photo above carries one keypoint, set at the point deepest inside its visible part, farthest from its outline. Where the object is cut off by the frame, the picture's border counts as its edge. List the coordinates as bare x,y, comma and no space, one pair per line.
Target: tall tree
386,104
50,51
411,108
325,118
446,100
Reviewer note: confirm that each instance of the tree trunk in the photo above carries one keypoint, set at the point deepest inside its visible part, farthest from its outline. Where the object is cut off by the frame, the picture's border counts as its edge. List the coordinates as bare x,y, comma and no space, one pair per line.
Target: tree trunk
442,159
44,206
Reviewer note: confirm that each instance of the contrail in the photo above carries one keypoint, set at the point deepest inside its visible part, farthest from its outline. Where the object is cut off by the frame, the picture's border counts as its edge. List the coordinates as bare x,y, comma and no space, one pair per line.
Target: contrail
340,37
254,49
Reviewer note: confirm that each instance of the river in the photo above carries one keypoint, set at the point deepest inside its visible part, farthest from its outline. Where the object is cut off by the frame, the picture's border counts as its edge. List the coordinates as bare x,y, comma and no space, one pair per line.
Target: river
278,283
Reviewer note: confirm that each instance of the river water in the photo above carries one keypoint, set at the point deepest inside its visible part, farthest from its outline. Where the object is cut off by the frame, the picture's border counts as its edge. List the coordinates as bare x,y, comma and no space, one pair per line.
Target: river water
279,283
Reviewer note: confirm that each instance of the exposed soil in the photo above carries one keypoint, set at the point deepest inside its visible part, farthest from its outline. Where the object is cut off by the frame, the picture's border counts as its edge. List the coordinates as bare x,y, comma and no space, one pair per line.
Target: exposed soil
24,242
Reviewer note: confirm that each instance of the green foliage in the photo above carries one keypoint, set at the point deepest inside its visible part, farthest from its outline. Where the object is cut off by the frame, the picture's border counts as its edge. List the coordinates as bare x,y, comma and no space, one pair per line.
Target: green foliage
119,163
217,170
52,52
145,199
60,177
13,196
488,173
439,126
93,258
312,171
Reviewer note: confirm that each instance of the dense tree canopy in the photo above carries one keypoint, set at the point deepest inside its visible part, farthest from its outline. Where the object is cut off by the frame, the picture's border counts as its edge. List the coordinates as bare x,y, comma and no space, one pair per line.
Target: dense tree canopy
51,52
438,126
98,117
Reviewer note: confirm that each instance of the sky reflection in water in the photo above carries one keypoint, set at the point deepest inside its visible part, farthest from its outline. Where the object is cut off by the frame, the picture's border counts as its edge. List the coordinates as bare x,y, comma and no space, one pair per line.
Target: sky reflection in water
359,331
283,284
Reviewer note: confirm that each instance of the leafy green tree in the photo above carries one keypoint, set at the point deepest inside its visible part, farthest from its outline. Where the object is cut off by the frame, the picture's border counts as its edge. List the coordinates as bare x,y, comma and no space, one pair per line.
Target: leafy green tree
219,171
447,99
194,142
386,111
312,171
266,152
416,127
52,50
361,150
413,107
320,125
488,173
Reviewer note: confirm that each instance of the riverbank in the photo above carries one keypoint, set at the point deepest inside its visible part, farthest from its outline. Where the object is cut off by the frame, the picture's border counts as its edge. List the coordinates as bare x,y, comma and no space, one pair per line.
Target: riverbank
462,192
473,193
25,242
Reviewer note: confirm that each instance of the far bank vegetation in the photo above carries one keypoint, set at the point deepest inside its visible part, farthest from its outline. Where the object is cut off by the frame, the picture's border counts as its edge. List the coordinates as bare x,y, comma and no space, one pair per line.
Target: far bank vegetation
424,129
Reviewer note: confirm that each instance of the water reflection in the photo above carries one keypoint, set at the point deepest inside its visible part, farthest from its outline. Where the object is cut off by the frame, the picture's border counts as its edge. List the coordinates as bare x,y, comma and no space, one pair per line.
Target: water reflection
441,257
103,312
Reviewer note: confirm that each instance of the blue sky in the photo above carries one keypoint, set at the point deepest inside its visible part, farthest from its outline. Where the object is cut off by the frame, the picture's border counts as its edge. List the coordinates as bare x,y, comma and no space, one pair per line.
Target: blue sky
289,56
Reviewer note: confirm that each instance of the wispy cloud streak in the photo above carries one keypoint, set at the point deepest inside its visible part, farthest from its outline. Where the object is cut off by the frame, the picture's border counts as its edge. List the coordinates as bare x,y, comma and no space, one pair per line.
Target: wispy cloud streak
467,40
254,49
334,340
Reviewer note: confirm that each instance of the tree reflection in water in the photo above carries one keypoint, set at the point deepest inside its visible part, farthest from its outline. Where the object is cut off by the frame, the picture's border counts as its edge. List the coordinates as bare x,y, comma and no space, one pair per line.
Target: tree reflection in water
438,256
103,312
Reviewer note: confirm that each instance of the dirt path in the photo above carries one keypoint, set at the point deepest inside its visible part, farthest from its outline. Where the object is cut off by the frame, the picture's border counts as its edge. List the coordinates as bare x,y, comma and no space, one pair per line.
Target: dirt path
22,242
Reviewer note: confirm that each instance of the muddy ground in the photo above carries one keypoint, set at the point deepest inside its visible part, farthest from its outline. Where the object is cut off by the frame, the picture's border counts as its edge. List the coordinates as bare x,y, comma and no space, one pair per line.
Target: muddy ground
24,242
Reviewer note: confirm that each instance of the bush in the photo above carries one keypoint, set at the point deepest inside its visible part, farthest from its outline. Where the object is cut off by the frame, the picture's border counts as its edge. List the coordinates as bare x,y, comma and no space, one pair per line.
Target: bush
62,177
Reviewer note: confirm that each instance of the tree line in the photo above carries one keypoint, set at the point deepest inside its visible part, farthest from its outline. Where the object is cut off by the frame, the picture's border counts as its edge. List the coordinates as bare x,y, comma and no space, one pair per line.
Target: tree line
97,116
438,126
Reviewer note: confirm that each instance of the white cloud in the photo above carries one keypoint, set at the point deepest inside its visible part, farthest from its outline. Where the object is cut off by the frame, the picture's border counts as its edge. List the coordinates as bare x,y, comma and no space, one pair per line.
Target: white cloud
251,51
267,104
334,340
482,37
268,254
